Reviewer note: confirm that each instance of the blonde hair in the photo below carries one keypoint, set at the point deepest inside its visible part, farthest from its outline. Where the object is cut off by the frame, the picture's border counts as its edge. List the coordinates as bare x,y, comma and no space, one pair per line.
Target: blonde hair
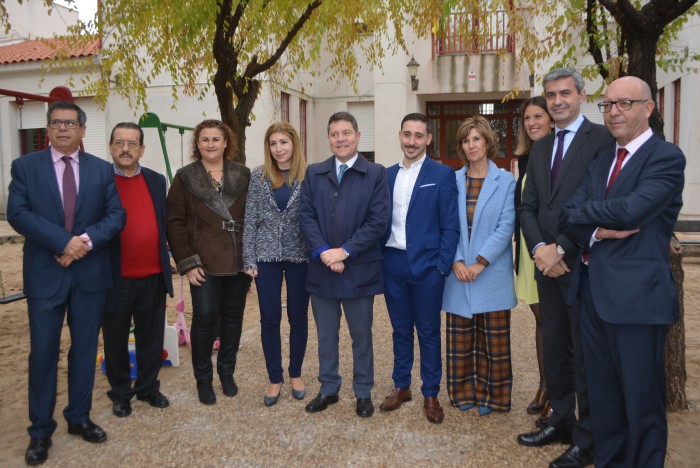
481,125
297,165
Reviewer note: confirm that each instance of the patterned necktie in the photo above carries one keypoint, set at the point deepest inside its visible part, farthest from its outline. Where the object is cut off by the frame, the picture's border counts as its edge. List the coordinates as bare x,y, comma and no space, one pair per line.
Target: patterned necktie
621,154
558,156
70,194
341,171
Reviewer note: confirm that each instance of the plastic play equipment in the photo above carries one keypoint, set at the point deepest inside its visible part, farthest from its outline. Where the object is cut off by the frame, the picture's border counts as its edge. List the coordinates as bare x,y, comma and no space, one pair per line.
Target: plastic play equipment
151,120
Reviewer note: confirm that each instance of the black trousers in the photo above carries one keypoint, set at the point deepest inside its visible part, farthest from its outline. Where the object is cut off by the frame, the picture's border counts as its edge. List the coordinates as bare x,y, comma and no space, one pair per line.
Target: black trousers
217,310
143,300
563,361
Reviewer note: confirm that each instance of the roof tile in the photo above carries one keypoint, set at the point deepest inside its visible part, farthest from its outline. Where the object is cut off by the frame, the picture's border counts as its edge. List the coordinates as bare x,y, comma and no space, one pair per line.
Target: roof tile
43,49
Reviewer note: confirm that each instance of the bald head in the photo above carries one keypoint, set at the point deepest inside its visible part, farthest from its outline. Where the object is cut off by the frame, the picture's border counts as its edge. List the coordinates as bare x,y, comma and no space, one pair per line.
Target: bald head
626,125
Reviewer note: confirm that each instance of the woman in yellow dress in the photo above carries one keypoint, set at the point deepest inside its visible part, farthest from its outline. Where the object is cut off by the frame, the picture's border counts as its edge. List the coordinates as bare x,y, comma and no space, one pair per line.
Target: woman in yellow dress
535,123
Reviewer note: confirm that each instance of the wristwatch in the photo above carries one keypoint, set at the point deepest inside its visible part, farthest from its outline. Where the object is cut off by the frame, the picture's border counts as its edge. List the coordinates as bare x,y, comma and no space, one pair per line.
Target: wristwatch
560,250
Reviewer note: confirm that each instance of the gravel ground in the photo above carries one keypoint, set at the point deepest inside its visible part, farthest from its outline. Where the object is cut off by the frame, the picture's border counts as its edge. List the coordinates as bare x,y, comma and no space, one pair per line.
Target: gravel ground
240,431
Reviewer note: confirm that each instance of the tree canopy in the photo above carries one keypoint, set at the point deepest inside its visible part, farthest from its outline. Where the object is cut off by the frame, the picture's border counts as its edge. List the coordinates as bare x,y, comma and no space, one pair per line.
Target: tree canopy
233,45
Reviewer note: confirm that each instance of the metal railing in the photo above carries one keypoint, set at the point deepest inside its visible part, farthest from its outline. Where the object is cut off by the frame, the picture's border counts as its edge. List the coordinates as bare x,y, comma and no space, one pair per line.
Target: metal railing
473,33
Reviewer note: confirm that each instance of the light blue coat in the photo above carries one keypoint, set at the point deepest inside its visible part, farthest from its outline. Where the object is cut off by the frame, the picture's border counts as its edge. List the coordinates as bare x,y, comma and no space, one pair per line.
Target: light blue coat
491,237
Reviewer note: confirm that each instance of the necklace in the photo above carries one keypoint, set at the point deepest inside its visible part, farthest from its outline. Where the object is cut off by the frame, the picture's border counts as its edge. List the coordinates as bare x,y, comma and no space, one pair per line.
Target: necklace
216,184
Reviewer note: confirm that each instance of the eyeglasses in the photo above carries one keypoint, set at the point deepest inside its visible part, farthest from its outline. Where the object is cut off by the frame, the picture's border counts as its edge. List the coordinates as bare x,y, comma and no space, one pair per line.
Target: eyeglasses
56,123
622,105
130,143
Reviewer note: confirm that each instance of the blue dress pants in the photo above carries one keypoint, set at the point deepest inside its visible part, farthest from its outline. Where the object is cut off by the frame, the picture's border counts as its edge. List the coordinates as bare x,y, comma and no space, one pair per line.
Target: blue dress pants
414,302
269,284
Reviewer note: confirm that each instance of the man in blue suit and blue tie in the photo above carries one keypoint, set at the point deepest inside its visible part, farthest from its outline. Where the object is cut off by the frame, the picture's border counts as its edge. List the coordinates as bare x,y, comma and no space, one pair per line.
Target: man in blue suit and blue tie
419,248
623,217
65,203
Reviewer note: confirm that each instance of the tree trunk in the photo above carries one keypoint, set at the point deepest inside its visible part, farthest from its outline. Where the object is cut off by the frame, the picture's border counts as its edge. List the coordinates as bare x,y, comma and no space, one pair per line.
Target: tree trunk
675,341
642,64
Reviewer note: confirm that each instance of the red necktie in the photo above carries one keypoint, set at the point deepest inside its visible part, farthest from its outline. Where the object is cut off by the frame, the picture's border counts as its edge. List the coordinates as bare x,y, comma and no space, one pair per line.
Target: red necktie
621,154
70,194
558,156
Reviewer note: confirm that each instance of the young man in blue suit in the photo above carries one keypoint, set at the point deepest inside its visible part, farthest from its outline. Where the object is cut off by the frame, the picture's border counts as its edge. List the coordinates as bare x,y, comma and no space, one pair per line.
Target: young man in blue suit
419,248
623,216
65,203
142,276
343,216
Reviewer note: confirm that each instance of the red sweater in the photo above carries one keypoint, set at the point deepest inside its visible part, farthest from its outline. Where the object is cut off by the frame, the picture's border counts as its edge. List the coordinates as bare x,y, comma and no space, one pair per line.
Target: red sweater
139,240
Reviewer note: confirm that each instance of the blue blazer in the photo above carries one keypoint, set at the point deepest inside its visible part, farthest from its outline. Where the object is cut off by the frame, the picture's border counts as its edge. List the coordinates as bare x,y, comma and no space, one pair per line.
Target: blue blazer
492,238
353,214
432,221
35,210
630,279
156,187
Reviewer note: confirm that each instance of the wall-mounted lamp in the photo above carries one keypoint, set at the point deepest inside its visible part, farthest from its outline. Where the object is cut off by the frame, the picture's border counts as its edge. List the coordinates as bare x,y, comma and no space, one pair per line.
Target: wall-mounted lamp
413,72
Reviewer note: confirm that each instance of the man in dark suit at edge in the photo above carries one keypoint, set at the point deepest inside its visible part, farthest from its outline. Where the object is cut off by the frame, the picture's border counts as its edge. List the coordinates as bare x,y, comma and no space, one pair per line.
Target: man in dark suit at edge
65,203
557,165
419,248
623,215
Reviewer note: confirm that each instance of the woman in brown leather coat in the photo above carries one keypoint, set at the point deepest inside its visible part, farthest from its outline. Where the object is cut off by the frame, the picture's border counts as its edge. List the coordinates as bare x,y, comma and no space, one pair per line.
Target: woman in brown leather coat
206,204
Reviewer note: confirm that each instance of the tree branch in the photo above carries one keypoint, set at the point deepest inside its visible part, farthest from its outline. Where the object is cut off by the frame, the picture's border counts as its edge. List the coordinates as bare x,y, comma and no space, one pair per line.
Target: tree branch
254,69
593,47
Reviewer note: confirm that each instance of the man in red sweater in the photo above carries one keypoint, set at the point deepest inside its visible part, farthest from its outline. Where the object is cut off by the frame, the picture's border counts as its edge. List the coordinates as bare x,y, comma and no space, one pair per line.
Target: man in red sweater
142,276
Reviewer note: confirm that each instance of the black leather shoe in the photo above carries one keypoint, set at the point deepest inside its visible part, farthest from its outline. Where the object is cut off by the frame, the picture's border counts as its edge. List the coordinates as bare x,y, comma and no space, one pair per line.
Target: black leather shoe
155,399
89,431
364,408
37,452
228,385
121,408
321,402
573,457
205,390
546,436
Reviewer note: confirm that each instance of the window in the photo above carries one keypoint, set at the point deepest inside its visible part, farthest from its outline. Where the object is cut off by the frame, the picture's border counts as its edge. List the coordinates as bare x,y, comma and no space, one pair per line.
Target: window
445,118
302,126
32,139
284,107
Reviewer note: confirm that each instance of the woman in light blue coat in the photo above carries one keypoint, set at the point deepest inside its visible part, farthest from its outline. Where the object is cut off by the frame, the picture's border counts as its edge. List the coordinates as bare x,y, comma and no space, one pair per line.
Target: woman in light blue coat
479,291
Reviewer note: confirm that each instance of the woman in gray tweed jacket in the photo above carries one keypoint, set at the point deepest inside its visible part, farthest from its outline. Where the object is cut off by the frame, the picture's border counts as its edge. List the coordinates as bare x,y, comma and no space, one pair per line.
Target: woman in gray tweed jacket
273,247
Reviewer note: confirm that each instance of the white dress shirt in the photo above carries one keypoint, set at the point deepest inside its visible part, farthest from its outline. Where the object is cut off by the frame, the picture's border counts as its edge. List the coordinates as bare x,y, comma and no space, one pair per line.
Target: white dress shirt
403,189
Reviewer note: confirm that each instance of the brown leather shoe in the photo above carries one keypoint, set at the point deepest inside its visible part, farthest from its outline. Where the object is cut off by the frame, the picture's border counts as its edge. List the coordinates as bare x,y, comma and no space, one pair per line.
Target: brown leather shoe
433,410
394,400
543,420
537,403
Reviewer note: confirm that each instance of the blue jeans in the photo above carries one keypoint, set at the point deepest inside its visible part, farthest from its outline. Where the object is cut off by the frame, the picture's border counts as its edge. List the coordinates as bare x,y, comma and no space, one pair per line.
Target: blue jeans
269,284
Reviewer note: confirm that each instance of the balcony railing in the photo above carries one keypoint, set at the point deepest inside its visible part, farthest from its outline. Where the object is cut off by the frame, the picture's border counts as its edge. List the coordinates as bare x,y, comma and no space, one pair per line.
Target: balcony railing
473,33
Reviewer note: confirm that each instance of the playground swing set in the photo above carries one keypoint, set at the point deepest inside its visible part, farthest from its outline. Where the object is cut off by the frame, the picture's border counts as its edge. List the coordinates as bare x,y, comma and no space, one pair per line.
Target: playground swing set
175,335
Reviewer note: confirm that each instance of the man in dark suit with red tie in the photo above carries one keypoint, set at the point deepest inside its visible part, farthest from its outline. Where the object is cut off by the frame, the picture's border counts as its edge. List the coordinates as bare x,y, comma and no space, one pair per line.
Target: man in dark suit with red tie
623,216
65,203
554,172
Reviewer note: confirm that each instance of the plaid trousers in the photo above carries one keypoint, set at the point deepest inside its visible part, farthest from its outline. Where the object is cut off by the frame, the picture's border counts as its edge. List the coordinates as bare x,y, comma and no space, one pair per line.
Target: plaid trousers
479,369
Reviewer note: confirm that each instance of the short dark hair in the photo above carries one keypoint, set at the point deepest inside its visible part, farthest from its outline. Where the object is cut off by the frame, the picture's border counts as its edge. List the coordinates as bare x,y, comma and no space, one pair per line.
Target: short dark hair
418,117
342,115
64,105
560,73
129,126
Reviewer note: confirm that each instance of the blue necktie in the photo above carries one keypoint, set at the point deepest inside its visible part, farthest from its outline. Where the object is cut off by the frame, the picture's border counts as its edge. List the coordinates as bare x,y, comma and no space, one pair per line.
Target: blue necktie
341,171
